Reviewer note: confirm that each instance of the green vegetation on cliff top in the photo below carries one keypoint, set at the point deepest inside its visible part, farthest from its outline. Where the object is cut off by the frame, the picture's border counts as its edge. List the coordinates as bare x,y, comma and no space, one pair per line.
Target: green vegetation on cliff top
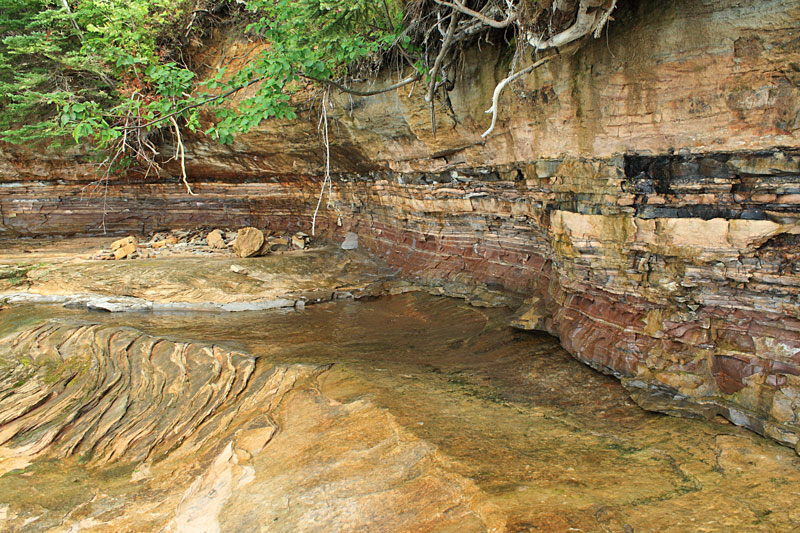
96,67
118,74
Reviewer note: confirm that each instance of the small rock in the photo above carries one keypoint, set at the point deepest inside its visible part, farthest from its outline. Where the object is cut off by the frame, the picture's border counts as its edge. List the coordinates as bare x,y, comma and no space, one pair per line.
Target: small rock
215,240
125,251
277,243
300,240
350,241
123,242
172,239
159,244
248,242
238,269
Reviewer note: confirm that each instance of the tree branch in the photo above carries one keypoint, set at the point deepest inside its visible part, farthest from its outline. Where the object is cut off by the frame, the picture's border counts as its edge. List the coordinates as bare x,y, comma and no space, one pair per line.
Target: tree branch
72,19
410,79
199,104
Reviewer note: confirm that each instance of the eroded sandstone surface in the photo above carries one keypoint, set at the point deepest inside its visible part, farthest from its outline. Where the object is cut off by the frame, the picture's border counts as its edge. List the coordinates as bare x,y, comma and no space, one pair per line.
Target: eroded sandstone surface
53,272
164,435
405,413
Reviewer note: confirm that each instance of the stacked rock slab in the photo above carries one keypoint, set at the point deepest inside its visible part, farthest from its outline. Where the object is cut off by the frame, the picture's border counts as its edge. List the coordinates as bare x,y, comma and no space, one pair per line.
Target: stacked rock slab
643,194
124,248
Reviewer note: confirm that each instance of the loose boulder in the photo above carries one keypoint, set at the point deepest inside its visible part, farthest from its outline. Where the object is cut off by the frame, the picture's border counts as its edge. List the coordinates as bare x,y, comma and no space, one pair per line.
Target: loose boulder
216,240
124,248
249,242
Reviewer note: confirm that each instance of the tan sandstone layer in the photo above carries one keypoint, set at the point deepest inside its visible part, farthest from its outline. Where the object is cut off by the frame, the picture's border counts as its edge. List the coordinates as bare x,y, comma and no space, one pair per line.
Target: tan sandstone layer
173,436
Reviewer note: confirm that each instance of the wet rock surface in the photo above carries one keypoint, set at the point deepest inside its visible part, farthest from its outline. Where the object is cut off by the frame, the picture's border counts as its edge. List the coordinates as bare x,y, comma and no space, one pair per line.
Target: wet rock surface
641,195
403,413
192,437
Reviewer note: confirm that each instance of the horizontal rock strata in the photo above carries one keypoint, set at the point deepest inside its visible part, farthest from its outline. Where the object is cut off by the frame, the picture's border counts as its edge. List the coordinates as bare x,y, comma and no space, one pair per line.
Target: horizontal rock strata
694,305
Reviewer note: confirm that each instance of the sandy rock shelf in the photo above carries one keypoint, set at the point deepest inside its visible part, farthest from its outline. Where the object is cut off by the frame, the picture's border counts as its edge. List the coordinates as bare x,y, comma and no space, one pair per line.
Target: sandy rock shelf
56,272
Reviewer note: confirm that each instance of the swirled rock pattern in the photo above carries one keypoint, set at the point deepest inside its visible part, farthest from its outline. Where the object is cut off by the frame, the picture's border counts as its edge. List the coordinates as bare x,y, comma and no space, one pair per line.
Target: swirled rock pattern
180,436
108,394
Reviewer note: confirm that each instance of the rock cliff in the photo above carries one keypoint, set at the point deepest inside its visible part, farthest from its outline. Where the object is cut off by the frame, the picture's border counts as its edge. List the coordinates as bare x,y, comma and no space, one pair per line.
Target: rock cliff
642,193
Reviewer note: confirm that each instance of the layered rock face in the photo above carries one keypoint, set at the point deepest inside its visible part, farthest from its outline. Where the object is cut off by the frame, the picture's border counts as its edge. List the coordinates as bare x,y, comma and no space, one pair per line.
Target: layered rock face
642,193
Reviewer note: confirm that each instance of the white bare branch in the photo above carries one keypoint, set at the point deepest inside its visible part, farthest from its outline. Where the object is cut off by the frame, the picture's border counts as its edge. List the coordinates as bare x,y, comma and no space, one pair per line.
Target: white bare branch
501,86
458,6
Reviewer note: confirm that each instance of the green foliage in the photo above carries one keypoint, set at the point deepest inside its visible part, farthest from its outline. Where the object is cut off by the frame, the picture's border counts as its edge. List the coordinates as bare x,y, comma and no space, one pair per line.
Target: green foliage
109,65
63,73
29,73
308,39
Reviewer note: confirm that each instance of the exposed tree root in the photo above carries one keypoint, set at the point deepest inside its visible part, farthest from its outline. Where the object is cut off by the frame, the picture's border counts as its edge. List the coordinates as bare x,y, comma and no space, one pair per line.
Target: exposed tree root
179,151
327,181
592,16
500,86
434,72
511,14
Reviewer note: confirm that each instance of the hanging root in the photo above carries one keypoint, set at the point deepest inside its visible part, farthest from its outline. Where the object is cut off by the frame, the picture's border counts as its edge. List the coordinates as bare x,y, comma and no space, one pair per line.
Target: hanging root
501,86
448,37
179,152
327,180
591,18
